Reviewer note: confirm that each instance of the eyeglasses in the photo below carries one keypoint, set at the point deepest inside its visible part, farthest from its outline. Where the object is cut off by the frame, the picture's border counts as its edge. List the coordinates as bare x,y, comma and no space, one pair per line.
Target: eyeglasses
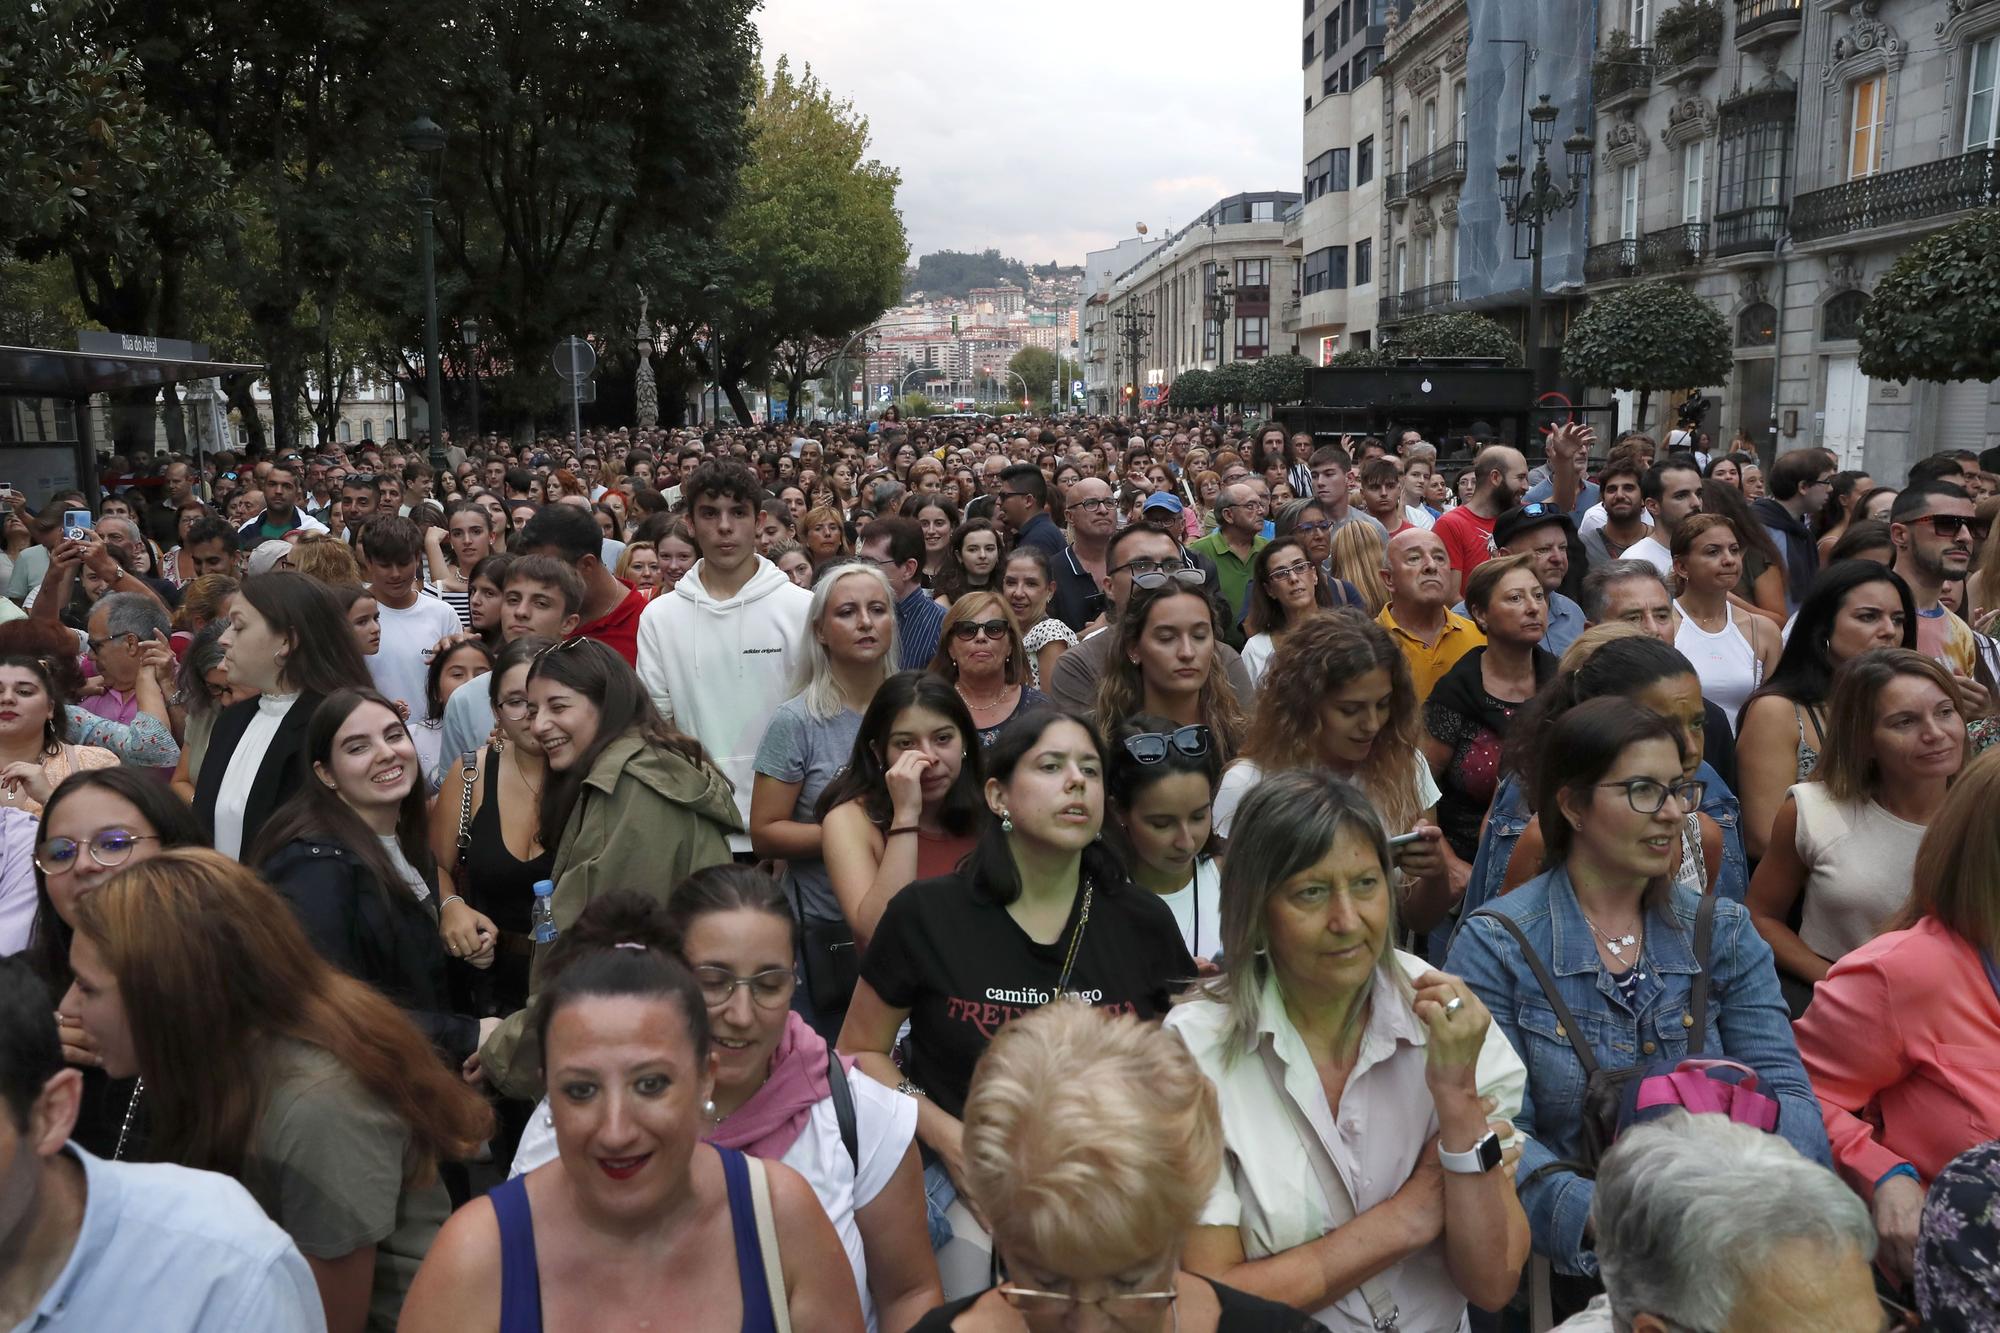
1950,525
1150,747
512,709
1286,573
1135,1309
1317,525
1186,578
965,631
571,642
108,847
1646,796
770,989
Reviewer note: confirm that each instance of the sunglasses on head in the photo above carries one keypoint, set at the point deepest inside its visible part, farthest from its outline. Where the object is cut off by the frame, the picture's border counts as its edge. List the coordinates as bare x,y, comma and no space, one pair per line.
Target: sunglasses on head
1150,747
967,630
1186,578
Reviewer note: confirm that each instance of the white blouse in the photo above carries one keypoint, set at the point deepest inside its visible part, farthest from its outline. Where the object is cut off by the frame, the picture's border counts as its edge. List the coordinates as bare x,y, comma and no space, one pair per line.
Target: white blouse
237,780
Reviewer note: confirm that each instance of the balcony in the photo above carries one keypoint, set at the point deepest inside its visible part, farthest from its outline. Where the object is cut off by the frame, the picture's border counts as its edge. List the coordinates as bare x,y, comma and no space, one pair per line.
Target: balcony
1385,310
1447,164
1687,45
1745,230
1611,261
1914,194
1288,319
1624,74
1674,250
1396,187
1762,21
1426,300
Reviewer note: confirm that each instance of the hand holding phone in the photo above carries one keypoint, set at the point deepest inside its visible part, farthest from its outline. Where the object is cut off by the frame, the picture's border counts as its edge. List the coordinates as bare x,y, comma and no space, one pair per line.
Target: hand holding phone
76,522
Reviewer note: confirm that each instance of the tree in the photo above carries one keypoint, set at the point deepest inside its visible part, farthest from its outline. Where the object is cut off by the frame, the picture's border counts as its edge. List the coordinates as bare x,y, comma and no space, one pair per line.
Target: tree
1936,314
815,244
1230,383
1194,388
955,273
1279,379
1039,369
1456,335
1649,336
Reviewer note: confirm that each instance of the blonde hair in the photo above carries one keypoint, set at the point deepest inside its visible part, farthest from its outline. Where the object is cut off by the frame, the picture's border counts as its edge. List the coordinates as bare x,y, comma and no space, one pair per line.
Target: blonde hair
624,569
1090,1137
970,607
326,558
1359,556
1956,879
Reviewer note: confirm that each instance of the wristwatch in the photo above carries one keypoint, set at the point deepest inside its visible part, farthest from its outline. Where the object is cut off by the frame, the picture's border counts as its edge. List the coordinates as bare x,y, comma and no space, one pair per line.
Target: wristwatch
1477,1160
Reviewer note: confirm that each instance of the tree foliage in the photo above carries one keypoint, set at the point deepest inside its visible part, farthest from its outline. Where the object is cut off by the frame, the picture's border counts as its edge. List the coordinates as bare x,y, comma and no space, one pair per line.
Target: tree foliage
1651,336
1456,335
1231,382
956,273
1279,379
1037,366
1936,314
1194,388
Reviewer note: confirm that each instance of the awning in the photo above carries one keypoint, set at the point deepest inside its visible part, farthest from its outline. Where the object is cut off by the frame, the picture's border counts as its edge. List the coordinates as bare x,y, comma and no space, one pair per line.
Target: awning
43,372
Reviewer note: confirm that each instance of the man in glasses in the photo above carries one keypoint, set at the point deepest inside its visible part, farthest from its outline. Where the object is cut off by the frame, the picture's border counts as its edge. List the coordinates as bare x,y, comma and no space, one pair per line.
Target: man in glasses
1080,573
1936,535
1235,542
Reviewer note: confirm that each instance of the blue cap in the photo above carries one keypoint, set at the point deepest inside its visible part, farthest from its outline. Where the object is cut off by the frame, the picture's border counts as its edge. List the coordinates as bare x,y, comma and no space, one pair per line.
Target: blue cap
1165,501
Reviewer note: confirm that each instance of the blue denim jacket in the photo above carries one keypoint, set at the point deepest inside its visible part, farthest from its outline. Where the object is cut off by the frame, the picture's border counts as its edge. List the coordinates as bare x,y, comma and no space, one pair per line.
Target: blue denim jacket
1747,1022
1509,815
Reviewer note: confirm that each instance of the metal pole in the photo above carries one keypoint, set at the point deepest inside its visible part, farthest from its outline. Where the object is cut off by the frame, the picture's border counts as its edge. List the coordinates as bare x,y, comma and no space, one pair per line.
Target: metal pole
472,373
1535,309
433,371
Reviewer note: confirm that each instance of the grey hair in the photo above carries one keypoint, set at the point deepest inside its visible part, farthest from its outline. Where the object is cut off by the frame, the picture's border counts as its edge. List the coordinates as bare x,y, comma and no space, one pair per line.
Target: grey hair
1597,584
886,494
815,682
132,531
134,613
1421,452
202,656
1285,825
1688,1209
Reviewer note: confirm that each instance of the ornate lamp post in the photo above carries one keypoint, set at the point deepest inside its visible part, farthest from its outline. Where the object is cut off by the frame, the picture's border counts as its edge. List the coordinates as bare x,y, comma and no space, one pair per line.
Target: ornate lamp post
1221,296
1135,325
1534,207
468,332
424,139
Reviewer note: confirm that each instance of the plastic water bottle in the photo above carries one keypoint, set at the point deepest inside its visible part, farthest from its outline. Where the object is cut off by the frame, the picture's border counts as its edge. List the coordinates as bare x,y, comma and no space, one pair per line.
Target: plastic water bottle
542,927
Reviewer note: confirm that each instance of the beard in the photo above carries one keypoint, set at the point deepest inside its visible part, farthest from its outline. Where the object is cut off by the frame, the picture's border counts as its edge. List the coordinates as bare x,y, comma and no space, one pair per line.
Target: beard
1505,497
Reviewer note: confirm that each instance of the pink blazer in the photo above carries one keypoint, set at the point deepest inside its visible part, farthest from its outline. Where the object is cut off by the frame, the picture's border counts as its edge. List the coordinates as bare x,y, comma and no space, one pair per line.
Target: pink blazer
1904,1033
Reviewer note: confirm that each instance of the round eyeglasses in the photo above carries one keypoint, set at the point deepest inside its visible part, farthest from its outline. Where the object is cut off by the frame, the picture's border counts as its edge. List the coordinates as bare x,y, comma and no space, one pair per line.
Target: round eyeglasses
770,989
108,847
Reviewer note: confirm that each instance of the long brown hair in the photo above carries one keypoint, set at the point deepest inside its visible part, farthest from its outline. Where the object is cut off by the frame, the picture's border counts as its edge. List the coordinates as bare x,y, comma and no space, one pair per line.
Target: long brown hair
1325,651
1122,691
211,966
1956,879
1847,761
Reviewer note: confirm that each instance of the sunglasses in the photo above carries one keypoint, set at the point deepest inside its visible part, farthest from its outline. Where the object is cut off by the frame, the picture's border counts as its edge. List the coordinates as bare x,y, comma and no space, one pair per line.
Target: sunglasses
1186,578
967,630
1950,525
1150,747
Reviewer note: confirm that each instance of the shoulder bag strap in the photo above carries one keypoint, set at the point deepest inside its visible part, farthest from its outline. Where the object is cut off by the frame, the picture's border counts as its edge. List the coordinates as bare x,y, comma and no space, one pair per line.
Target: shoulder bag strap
842,1093
470,761
767,1244
1704,935
1547,982
1339,1203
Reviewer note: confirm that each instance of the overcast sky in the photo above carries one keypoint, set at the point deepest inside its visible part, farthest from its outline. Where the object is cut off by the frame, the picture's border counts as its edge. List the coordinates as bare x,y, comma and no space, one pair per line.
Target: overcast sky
1046,128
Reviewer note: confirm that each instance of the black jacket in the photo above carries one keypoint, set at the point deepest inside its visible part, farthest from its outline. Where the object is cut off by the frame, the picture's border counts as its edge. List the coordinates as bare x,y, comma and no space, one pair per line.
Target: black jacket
285,769
379,935
1797,543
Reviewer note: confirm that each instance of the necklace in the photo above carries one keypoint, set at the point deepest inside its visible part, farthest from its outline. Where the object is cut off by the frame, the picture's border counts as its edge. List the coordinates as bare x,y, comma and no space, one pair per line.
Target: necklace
971,702
131,1109
533,789
1618,944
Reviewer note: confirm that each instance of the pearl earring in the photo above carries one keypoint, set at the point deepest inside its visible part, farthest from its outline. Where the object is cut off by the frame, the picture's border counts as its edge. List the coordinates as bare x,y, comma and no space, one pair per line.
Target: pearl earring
708,1108
1006,822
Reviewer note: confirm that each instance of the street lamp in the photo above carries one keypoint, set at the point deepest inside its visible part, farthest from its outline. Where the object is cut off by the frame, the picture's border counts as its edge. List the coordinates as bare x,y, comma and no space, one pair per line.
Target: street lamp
424,139
468,332
711,294
1221,296
1135,325
1534,207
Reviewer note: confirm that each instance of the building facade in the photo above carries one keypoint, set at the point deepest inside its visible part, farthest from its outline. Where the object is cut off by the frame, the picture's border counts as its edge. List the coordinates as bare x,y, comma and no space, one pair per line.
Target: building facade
1093,326
1424,109
1203,298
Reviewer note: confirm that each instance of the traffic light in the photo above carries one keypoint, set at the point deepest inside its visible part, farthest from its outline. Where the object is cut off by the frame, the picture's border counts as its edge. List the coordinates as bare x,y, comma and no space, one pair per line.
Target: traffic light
954,323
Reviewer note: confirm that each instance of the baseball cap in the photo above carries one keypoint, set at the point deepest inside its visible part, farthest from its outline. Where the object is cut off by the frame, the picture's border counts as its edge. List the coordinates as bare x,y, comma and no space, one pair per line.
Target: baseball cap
267,555
1161,502
1526,518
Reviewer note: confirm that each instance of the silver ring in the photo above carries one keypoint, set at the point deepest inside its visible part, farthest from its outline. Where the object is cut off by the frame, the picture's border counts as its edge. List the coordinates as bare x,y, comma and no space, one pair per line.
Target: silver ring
1454,1004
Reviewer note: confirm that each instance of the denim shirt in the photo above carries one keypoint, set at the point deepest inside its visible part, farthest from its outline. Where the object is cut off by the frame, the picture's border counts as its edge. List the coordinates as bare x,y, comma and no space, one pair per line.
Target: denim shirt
1747,1022
1509,815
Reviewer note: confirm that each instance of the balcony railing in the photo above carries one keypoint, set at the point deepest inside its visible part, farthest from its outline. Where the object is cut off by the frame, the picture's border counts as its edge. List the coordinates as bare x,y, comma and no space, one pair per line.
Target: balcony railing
1913,194
1693,47
1424,300
1746,229
1674,249
1611,261
1767,20
1623,75
1396,187
1445,165
1385,310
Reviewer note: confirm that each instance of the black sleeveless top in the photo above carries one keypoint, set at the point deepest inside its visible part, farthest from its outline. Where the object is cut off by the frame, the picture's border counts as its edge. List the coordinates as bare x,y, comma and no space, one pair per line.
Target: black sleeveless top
501,885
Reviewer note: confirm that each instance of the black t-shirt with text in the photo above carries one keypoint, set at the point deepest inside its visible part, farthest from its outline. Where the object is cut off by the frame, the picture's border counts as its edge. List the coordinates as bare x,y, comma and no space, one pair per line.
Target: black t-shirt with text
963,968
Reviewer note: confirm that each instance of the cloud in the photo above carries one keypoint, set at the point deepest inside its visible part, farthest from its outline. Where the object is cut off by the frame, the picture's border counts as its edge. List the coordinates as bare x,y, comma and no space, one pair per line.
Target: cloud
1048,127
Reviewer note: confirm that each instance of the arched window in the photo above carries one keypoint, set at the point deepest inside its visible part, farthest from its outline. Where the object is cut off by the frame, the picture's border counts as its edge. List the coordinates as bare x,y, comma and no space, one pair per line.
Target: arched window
1757,326
344,432
1840,317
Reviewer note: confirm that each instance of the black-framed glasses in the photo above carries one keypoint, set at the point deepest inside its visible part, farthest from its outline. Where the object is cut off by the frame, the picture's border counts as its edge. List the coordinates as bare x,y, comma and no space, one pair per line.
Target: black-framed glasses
1151,747
769,989
1100,502
1950,525
1146,564
108,847
1186,578
1646,796
965,631
1132,1309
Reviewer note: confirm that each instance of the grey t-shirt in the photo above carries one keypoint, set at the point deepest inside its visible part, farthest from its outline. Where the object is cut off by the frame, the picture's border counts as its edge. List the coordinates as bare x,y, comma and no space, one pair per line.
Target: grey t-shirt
1355,514
798,747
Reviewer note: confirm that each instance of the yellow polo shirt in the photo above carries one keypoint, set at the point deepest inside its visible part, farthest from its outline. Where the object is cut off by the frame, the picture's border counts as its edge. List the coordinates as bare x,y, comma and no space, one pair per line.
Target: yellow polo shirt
1429,662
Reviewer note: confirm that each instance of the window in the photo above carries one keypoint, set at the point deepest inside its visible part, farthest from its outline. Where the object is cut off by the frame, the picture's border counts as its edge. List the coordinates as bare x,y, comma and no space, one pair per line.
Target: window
1309,7
367,430
1635,13
1840,318
1330,38
1324,270
1756,155
1309,48
1364,161
1402,266
1430,260
1264,210
1253,337
1430,126
1628,202
345,434
1319,177
1982,107
1252,273
1694,179
1458,111
1864,128
1403,144
1364,263
1339,174
1757,326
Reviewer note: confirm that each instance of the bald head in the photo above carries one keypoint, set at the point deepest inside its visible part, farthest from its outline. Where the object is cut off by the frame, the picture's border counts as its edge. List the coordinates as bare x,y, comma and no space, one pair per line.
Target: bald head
1503,478
1415,563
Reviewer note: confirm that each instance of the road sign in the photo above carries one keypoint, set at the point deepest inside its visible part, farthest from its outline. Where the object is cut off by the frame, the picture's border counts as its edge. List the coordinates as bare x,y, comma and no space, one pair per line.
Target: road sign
574,358
881,393
1076,391
1152,392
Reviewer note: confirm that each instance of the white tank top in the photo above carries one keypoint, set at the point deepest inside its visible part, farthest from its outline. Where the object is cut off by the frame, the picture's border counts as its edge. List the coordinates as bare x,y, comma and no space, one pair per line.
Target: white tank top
1724,661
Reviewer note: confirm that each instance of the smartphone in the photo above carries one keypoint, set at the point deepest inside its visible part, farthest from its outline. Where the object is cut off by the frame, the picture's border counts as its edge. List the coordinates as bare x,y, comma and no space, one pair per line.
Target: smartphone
1403,840
6,488
76,522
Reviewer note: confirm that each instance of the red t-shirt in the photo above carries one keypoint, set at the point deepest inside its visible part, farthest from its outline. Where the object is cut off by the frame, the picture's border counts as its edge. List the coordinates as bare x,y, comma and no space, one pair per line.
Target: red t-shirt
619,627
1467,538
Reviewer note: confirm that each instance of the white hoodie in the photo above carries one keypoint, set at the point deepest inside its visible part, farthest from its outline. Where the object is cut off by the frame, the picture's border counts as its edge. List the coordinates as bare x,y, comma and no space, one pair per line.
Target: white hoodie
719,670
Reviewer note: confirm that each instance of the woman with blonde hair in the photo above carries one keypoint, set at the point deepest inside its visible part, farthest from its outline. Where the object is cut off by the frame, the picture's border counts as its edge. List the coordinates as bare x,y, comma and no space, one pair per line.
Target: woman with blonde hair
1422,1217
328,559
264,1062
203,600
824,535
1338,696
1164,661
639,565
1359,557
980,652
1091,1145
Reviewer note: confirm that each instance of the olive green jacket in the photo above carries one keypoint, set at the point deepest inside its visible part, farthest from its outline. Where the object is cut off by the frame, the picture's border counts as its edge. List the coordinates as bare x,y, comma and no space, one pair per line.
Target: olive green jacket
644,820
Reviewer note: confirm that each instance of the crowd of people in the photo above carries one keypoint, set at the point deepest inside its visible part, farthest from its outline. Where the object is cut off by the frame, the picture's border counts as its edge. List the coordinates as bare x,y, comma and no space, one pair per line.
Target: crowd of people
1002,875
